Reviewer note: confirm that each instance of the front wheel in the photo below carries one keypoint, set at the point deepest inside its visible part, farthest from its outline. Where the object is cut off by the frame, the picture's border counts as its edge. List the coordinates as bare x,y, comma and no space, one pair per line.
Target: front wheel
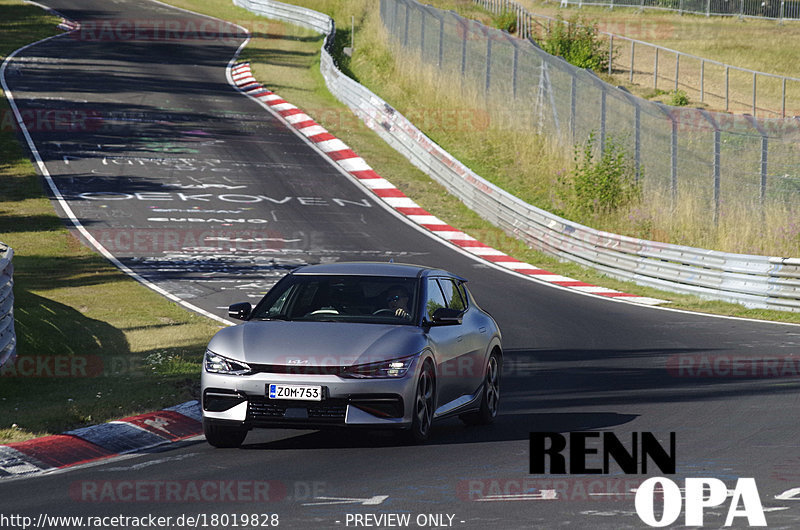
223,436
424,400
490,400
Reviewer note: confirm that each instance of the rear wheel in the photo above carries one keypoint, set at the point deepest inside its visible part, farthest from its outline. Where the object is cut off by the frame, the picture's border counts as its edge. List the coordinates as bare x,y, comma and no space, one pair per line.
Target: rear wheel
224,436
490,400
423,406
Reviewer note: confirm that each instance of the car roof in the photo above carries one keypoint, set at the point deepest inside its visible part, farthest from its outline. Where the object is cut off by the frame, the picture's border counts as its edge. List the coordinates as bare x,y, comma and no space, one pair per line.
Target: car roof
368,268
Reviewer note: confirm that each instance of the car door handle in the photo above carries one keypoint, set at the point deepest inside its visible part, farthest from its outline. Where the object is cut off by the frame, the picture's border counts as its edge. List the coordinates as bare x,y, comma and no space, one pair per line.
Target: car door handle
482,329
459,338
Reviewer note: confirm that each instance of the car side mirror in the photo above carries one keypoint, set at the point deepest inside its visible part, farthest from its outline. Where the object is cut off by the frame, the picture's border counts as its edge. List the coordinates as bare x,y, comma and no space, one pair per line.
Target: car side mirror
240,311
446,316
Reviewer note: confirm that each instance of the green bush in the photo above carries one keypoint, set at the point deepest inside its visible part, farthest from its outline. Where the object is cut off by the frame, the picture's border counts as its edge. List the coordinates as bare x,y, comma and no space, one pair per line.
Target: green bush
578,42
678,98
598,185
506,21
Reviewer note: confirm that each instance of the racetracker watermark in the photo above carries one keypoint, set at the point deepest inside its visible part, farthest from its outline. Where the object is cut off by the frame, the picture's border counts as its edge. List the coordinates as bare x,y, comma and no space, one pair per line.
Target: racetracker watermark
733,366
427,119
160,240
645,30
76,366
463,367
170,30
52,120
177,491
545,489
187,491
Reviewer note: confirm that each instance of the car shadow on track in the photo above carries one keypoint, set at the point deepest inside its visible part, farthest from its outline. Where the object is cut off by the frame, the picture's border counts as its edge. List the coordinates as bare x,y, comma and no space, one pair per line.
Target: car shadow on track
507,427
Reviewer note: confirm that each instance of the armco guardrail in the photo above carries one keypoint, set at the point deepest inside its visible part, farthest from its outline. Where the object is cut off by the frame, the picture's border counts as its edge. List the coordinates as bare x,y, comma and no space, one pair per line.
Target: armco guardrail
8,339
756,281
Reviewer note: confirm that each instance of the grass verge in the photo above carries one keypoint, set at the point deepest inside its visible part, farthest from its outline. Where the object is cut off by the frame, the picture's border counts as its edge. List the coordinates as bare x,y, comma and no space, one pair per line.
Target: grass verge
93,344
287,61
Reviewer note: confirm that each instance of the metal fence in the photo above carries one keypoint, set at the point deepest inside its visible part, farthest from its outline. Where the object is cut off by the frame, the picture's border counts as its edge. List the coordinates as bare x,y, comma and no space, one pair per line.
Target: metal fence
771,9
757,281
721,162
8,339
714,83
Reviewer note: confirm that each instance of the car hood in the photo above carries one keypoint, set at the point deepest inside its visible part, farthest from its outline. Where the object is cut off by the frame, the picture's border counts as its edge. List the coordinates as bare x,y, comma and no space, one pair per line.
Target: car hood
283,343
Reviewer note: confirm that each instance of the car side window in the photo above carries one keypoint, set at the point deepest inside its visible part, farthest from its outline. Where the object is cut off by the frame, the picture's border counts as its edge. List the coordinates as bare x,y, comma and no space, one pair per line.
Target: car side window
279,307
463,290
435,299
453,294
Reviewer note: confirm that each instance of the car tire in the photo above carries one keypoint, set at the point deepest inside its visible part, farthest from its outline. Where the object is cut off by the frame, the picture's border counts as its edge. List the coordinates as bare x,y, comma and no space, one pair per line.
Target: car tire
490,399
423,406
223,436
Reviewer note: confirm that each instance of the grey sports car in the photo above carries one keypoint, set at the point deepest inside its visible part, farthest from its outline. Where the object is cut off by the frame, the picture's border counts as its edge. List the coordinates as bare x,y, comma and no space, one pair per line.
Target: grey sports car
376,345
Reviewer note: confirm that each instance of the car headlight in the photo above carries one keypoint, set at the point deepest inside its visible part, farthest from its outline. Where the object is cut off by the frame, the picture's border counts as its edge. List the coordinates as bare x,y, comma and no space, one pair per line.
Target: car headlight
391,368
217,364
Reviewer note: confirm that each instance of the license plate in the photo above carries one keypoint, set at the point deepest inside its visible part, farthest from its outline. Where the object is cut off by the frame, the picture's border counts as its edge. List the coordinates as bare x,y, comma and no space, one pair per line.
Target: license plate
296,392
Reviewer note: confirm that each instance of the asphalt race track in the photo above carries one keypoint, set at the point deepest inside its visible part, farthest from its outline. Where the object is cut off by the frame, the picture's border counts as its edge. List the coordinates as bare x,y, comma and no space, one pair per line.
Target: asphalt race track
202,192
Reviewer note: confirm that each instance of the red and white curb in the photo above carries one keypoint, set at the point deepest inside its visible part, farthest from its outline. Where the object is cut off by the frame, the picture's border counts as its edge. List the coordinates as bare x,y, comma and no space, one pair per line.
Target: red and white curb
102,441
68,25
345,157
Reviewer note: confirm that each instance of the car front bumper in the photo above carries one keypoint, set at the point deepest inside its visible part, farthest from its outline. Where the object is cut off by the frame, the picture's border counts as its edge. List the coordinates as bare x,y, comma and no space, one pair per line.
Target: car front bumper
379,403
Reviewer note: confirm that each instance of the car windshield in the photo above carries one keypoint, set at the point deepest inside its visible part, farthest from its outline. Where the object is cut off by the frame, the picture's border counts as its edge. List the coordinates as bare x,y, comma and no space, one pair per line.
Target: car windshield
361,299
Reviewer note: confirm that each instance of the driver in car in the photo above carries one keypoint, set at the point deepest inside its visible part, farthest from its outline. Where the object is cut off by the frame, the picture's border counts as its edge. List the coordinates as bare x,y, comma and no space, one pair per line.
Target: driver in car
397,301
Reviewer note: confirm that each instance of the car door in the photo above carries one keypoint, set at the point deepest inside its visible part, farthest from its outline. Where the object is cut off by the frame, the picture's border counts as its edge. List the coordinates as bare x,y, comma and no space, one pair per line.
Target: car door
473,343
447,342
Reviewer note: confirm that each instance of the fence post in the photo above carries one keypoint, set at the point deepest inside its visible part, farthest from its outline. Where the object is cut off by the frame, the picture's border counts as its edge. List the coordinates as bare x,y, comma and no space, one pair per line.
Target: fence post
677,69
708,8
405,35
754,93
514,68
633,54
525,28
782,12
655,71
717,144
441,42
602,120
422,37
488,62
573,100
637,138
610,52
727,79
764,158
764,163
673,152
674,162
464,51
702,79
783,98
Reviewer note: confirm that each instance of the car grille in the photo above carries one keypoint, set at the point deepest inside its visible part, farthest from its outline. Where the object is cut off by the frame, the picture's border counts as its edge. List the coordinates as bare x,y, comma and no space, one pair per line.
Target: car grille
264,410
297,369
